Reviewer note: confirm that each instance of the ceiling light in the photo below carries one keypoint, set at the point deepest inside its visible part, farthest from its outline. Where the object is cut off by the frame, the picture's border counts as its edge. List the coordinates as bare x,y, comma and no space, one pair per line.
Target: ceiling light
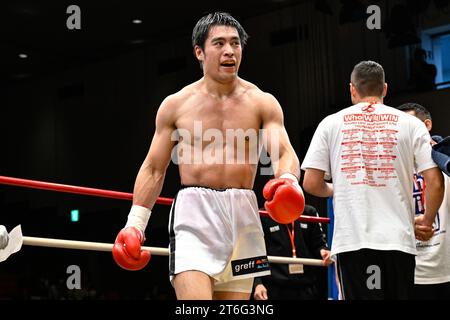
23,55
137,21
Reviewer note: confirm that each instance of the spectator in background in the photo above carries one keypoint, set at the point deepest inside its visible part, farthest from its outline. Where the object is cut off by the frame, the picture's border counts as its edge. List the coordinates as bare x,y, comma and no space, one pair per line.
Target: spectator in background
423,74
432,274
303,240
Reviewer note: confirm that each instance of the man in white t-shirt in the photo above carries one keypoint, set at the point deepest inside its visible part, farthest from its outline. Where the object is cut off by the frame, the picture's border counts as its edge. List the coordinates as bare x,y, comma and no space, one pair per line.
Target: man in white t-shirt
432,275
369,151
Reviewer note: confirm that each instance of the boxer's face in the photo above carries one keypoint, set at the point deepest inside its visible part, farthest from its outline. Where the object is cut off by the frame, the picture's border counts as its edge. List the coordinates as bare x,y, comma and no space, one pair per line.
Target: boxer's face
222,53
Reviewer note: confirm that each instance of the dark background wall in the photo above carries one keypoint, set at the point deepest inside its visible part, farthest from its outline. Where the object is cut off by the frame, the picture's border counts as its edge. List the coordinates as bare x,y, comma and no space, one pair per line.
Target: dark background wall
86,117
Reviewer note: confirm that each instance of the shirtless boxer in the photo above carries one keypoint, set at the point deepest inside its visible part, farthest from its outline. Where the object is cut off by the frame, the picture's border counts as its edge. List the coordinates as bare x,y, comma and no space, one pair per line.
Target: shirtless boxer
216,239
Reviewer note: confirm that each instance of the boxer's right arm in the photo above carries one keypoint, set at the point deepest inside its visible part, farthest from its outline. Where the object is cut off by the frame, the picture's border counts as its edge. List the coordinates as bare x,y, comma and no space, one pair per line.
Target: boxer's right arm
150,178
127,248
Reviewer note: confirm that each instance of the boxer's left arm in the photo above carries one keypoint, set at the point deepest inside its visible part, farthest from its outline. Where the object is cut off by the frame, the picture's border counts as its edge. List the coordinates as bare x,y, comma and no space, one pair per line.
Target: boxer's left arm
276,140
285,199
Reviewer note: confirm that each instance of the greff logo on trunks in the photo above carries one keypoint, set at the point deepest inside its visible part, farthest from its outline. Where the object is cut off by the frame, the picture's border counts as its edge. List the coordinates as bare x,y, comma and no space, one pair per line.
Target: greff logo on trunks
250,265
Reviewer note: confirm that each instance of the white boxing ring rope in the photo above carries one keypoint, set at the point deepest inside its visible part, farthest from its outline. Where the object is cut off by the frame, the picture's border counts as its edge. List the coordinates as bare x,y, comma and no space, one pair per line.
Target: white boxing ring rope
98,246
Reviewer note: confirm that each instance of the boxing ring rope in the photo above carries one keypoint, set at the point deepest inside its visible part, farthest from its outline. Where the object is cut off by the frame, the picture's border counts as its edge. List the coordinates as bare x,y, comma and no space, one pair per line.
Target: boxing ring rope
98,246
34,184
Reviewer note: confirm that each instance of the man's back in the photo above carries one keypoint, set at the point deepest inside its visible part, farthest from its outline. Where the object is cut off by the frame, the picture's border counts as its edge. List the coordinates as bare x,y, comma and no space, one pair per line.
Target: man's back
371,150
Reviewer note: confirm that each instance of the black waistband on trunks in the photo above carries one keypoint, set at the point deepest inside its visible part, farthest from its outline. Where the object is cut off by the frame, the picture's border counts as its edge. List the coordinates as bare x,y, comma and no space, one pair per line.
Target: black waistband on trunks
214,189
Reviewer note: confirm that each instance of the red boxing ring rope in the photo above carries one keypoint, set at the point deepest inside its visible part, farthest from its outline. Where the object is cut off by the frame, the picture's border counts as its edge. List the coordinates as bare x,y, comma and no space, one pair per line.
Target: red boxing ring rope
34,184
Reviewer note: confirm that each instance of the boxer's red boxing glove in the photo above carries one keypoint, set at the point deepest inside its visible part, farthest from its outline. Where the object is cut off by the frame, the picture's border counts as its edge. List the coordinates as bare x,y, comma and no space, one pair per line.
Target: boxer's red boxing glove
285,201
127,249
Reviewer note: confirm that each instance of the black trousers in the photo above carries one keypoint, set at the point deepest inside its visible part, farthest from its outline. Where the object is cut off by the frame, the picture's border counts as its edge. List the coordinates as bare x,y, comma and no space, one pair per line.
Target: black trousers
438,291
368,274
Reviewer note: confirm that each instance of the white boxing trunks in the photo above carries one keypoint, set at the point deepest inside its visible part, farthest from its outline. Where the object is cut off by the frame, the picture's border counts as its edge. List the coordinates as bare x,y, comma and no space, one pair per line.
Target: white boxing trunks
218,232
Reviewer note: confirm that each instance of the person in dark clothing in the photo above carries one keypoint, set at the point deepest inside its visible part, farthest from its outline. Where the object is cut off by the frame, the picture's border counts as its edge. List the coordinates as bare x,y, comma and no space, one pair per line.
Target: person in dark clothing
423,74
293,281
